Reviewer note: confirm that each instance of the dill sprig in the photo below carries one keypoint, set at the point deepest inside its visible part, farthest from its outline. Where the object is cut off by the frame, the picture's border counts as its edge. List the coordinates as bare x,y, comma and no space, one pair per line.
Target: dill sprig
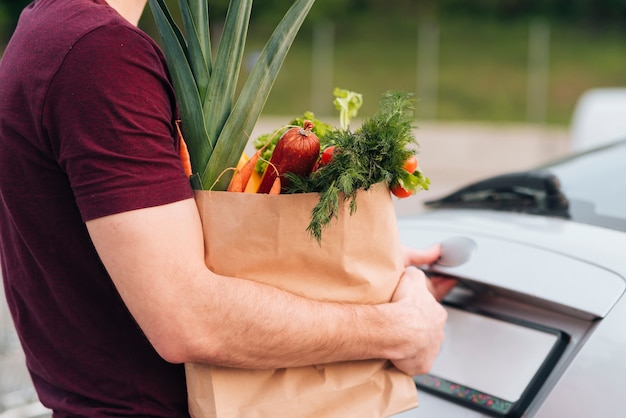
374,153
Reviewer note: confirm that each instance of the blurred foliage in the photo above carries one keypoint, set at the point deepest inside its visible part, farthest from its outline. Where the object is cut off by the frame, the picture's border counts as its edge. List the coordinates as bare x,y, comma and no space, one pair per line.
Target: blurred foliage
579,11
482,67
483,51
593,12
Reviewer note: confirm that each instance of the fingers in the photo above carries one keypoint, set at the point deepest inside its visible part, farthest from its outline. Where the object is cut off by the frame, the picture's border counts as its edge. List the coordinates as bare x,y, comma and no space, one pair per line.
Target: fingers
413,279
422,363
422,321
440,287
413,257
428,337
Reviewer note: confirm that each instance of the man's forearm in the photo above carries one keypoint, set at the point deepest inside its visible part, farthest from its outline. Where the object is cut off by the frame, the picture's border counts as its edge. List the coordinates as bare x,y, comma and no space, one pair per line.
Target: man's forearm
155,257
235,322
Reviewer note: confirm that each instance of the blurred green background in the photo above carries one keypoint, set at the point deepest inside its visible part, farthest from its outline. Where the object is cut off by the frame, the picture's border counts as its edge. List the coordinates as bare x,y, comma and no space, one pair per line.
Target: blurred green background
466,60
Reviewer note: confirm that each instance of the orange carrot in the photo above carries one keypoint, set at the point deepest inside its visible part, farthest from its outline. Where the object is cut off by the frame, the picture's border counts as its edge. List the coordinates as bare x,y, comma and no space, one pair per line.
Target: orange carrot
243,172
275,186
248,167
236,184
183,152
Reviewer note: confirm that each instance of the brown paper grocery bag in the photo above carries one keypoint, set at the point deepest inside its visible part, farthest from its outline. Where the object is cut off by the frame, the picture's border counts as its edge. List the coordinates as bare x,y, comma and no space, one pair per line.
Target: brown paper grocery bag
264,238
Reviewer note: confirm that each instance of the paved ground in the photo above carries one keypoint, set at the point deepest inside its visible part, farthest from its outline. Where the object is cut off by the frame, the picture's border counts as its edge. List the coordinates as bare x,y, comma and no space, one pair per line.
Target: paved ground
15,386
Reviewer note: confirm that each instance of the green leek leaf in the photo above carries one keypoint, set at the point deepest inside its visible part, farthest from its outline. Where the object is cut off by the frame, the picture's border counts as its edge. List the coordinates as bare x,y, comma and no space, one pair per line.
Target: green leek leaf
221,94
195,54
185,87
216,124
200,14
244,116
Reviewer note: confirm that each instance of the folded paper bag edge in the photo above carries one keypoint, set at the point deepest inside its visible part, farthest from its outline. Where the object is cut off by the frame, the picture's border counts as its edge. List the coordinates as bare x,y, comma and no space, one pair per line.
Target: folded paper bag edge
359,388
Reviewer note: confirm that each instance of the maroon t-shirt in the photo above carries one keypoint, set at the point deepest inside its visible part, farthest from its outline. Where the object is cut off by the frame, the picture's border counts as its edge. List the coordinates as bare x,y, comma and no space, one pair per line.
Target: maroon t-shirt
86,130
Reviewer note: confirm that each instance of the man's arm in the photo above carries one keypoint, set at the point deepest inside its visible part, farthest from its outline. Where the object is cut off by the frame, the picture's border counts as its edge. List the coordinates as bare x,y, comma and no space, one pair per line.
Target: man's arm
155,257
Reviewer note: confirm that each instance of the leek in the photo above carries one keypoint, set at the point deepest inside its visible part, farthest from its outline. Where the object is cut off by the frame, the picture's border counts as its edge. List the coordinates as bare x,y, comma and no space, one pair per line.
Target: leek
216,124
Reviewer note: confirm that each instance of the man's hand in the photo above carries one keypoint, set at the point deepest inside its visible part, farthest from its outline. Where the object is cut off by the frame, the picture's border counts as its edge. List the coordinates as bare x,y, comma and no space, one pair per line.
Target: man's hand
424,320
438,286
425,317
413,257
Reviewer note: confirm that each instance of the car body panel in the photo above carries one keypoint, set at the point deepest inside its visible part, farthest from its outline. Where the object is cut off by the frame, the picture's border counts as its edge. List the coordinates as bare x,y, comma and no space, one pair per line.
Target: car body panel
593,385
549,271
549,259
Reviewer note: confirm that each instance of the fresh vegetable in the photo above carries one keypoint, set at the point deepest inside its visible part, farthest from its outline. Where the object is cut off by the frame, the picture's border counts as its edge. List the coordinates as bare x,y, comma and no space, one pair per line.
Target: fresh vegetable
296,152
374,153
253,183
399,189
268,141
327,155
183,152
382,150
243,173
275,186
348,103
410,165
319,127
216,123
411,182
401,192
236,184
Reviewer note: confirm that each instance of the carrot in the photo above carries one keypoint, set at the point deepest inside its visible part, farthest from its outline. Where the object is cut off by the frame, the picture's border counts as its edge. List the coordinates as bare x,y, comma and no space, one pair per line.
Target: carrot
275,186
243,172
253,183
236,184
248,167
183,152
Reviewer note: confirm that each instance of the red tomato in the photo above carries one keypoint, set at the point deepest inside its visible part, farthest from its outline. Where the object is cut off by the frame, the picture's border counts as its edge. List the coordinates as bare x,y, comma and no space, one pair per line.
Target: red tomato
400,192
327,155
410,164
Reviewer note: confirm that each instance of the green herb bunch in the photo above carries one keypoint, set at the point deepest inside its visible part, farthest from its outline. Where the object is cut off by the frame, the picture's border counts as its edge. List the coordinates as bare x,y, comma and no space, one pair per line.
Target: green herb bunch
374,153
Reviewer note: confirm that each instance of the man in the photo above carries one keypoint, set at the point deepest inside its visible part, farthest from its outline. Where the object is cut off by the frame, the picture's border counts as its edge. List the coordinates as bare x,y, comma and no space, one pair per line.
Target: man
101,244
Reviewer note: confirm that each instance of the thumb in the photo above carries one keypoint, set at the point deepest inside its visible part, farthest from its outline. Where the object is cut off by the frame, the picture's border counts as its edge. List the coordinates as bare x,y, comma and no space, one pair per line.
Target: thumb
413,257
411,279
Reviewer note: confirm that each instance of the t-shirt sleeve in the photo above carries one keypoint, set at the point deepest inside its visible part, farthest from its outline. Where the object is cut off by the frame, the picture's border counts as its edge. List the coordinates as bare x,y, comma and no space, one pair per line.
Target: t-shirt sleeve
109,116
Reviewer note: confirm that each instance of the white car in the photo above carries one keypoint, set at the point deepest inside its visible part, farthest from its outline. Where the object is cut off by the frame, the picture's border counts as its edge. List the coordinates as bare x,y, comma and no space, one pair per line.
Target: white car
537,325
